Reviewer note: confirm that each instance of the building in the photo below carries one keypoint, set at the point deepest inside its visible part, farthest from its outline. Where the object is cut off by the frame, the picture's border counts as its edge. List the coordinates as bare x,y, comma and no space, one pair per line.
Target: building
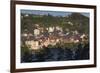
70,23
36,32
50,29
24,34
84,37
26,15
33,45
58,28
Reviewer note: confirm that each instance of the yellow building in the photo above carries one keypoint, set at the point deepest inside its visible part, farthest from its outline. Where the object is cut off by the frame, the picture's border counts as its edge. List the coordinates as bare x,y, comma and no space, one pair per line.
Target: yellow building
33,44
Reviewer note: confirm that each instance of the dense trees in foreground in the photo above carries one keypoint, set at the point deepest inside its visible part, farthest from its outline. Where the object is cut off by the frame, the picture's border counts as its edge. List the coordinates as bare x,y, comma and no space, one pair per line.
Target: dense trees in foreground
56,53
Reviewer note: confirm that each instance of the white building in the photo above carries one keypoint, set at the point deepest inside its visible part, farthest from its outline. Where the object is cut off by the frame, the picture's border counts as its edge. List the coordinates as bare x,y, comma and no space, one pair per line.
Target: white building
82,36
76,41
37,25
24,34
76,32
26,15
36,32
51,29
59,28
70,23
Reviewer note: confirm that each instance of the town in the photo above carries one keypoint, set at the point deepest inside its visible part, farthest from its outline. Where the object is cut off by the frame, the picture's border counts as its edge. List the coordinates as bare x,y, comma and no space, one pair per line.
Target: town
48,36
42,37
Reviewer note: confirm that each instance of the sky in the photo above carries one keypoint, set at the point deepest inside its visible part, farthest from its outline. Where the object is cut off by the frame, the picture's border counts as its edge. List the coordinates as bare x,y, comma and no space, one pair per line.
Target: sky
54,13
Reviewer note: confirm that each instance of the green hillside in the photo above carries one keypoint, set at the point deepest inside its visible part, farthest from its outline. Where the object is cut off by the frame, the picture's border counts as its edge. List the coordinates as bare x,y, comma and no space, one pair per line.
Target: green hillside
79,22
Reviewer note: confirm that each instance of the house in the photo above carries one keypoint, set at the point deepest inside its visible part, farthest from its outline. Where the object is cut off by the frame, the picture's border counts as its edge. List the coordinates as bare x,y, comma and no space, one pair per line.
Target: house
58,28
37,25
50,29
84,37
47,29
36,32
33,45
46,43
76,32
75,38
26,15
41,29
70,23
24,34
76,41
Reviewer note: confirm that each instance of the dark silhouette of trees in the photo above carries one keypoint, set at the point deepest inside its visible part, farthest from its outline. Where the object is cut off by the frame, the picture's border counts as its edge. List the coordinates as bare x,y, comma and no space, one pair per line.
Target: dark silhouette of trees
57,53
82,52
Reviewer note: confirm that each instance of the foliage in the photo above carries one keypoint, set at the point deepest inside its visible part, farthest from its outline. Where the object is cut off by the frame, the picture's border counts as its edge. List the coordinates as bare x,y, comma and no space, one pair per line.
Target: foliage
58,53
79,21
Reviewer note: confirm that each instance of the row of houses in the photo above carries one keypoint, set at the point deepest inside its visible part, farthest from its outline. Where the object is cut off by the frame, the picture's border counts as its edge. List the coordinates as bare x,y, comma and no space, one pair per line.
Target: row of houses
40,30
37,43
49,30
39,39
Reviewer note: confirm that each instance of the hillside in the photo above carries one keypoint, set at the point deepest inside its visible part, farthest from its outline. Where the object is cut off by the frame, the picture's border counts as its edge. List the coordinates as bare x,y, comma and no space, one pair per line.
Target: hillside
75,21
